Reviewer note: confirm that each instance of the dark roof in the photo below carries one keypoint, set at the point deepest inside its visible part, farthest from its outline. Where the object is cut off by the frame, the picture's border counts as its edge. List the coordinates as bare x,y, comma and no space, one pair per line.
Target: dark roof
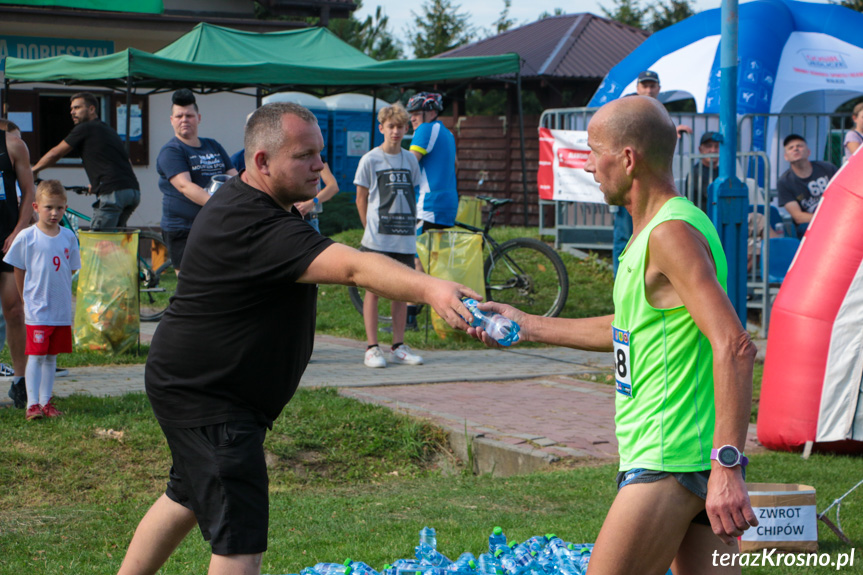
568,46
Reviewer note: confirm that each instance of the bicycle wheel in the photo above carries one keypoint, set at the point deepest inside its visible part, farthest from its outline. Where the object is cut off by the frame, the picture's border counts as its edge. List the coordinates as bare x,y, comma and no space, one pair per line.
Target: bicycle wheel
358,295
156,276
527,274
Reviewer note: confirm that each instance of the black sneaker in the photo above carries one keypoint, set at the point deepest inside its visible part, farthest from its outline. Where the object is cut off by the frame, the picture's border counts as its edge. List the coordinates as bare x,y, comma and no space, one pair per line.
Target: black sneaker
61,372
18,394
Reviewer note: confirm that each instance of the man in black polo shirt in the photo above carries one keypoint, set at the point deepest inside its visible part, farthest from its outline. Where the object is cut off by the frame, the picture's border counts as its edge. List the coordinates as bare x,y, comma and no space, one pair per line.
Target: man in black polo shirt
105,161
232,346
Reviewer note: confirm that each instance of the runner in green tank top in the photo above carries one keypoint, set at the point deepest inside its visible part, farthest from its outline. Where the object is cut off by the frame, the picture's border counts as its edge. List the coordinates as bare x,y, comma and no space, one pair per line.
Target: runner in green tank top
683,361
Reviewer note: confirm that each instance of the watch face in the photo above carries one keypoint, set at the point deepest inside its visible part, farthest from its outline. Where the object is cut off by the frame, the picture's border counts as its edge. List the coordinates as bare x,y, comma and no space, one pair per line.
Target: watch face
728,456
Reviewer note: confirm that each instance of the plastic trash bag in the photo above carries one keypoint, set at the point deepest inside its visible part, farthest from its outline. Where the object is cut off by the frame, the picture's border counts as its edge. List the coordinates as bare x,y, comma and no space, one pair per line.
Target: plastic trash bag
454,256
470,211
106,309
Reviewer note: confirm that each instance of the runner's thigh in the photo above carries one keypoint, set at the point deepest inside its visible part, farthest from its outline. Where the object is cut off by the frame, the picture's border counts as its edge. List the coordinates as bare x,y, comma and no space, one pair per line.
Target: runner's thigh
644,528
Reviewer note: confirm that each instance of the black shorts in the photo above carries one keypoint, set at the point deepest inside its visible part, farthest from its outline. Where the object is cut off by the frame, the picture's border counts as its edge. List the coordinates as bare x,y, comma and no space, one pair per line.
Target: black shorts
406,259
219,473
8,221
425,226
176,242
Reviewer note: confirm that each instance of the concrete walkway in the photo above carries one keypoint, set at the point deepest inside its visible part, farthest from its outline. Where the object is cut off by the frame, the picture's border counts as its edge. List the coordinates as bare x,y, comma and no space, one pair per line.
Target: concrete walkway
517,410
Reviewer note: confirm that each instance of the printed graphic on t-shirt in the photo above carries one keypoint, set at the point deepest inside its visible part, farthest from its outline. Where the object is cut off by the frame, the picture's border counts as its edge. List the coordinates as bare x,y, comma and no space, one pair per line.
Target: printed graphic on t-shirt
816,189
397,209
208,164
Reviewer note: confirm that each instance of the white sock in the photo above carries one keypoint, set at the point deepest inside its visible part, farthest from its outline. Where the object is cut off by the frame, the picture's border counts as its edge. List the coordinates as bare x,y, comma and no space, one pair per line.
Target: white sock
49,370
34,378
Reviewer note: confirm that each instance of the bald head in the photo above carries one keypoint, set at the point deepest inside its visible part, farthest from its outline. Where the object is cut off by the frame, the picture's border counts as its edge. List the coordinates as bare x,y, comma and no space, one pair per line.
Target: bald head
640,123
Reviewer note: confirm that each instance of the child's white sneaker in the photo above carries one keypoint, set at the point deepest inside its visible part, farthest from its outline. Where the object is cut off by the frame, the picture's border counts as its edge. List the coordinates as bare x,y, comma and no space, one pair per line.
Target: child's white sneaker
404,354
375,357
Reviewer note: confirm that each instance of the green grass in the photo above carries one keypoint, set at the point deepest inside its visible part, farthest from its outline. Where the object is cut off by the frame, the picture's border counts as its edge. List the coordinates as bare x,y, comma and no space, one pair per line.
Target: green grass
589,295
347,480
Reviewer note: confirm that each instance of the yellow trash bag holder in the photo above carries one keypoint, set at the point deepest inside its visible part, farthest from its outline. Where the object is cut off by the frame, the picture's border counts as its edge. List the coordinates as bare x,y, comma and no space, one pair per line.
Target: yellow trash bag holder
455,256
470,211
106,308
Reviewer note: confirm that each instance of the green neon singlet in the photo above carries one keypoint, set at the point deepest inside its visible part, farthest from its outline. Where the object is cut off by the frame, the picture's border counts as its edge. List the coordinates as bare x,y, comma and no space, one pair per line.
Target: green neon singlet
665,412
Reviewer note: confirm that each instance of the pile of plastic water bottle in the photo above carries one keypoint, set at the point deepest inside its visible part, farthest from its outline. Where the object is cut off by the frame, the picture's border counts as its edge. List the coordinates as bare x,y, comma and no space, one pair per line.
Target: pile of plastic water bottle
539,555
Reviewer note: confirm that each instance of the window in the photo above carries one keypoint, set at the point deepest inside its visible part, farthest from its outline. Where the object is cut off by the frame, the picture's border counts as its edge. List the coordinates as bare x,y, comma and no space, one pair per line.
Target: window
50,121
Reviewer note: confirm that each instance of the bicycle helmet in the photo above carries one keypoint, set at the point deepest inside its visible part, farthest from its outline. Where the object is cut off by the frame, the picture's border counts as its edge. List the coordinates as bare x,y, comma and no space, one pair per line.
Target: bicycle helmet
425,101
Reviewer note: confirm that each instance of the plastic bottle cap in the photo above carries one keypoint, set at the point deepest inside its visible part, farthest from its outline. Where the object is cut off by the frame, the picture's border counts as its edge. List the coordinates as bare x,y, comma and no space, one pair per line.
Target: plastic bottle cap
347,562
497,530
498,552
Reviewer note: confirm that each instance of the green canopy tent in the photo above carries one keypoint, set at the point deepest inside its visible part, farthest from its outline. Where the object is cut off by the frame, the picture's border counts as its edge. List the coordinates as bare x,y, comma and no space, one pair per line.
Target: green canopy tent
213,58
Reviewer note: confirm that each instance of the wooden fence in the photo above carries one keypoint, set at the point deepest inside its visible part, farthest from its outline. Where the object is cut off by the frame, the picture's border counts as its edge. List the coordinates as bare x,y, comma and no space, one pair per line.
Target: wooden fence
489,162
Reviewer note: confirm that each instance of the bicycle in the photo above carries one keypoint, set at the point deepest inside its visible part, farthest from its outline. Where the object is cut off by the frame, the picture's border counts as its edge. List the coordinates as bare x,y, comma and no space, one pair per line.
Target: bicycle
522,272
156,276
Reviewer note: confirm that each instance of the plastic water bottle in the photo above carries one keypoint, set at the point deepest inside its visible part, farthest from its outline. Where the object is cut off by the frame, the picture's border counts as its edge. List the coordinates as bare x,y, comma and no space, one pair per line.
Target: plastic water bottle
488,565
408,567
501,329
497,536
464,565
536,543
428,536
428,554
333,569
523,556
360,568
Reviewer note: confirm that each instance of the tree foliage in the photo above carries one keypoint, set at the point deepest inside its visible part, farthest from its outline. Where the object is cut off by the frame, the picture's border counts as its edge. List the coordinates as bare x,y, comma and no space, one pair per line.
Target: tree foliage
438,28
504,22
370,36
853,4
626,12
546,14
655,16
664,15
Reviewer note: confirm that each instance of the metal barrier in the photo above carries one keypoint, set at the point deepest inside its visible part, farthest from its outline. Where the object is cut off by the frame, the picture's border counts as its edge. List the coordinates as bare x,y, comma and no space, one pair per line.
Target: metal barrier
585,225
590,226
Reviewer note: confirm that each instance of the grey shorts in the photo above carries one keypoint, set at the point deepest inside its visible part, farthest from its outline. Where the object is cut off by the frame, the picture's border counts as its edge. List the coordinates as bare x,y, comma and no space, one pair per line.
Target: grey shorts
695,482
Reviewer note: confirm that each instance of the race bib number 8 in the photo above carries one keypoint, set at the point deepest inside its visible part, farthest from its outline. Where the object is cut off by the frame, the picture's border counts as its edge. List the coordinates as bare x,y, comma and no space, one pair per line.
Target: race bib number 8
622,371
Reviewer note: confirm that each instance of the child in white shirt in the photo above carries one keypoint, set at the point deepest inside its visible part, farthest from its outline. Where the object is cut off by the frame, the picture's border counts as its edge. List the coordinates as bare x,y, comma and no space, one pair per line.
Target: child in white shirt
386,201
44,257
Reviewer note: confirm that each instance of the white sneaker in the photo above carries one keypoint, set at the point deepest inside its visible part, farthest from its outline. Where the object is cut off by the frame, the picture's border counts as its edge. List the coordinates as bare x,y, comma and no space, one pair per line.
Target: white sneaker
404,354
375,357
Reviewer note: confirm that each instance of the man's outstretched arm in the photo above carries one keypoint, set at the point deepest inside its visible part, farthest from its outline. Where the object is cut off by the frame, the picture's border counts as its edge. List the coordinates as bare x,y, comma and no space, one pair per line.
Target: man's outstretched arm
340,264
52,156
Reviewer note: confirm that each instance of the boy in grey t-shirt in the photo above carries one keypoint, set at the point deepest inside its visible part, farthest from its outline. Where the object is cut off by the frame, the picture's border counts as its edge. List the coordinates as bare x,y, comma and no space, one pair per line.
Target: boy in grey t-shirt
386,201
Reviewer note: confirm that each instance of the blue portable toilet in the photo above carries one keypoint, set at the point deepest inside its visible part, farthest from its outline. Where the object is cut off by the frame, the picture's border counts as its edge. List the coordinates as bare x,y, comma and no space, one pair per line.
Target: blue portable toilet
352,134
317,106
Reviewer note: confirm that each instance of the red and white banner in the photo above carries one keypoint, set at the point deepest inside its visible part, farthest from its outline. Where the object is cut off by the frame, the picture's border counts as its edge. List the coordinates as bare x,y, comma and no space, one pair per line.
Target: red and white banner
561,176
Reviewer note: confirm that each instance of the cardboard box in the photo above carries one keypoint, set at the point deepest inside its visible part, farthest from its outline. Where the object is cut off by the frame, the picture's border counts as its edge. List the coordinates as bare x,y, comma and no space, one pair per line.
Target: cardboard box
787,518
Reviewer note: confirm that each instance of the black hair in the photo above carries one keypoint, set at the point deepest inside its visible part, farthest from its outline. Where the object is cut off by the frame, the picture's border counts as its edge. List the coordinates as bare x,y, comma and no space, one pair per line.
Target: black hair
184,97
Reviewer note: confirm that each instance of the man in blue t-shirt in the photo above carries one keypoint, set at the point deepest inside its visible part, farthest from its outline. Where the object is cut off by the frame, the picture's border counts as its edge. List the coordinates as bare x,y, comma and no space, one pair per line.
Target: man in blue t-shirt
434,147
185,165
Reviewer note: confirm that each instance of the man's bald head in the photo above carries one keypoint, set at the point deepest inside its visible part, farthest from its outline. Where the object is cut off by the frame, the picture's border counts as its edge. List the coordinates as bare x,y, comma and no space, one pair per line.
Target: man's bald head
641,123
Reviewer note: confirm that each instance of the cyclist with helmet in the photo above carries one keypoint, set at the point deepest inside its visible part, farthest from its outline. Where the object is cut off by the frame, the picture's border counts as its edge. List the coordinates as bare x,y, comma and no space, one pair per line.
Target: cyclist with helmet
434,147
